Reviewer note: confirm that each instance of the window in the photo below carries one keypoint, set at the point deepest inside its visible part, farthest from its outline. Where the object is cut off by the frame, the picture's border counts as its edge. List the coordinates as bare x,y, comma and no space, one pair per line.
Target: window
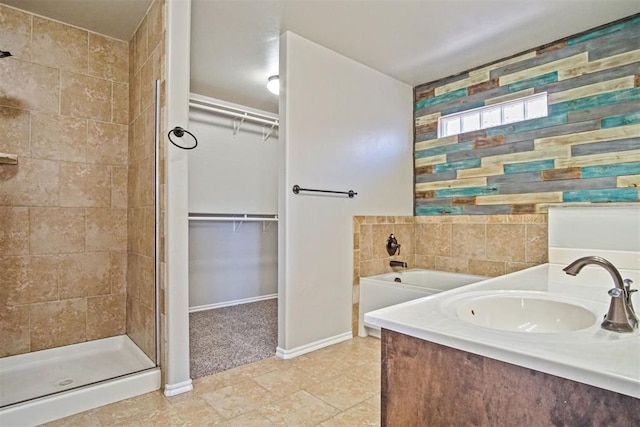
530,107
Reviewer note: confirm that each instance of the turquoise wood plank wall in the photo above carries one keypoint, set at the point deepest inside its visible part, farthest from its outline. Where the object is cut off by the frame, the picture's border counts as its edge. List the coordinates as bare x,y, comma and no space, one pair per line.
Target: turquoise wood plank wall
586,150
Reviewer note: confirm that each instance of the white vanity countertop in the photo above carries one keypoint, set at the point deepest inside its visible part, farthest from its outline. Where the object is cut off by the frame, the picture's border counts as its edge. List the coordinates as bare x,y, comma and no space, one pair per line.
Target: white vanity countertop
593,356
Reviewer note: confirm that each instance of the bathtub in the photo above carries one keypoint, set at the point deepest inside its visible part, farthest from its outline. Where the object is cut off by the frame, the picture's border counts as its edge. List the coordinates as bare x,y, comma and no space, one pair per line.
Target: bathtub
388,289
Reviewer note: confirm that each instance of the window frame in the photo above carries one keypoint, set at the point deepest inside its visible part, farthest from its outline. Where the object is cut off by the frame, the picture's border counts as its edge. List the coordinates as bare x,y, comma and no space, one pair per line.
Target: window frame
501,105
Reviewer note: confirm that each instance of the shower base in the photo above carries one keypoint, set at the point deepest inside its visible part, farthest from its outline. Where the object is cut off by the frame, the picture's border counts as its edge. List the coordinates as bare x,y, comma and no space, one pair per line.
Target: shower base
45,385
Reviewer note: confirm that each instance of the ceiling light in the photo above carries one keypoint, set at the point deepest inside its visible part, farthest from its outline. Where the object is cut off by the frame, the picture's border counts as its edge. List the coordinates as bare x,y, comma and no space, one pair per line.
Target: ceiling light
274,84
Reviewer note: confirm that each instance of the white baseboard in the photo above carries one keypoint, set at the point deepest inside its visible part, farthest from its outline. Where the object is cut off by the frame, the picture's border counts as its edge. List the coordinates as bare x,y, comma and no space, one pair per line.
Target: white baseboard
370,331
176,389
316,345
230,303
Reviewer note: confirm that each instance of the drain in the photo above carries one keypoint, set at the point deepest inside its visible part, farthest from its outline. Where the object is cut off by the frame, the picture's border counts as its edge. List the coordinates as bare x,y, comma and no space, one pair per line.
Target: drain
65,382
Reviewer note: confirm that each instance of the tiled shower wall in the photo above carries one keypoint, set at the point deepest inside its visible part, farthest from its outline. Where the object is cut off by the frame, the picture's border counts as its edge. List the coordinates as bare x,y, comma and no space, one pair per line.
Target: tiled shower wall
586,150
63,207
487,245
146,65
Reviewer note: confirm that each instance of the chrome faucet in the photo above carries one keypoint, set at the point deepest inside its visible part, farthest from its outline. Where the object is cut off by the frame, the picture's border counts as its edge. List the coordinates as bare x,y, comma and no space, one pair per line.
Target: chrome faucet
621,316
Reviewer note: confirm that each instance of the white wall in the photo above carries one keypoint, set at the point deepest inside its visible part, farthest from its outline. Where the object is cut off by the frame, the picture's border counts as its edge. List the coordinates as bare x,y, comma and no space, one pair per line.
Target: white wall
227,266
176,319
232,173
343,126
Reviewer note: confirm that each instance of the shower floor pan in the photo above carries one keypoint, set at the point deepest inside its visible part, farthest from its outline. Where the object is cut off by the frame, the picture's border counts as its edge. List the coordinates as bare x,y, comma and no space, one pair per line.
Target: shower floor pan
41,373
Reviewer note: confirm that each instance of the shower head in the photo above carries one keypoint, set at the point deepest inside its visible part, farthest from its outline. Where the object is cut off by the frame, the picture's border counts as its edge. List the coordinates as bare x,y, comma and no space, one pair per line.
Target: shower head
4,53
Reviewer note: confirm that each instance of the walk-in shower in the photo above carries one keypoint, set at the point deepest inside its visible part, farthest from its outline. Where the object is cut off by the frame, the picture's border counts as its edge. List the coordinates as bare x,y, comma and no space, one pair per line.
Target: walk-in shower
79,213
42,384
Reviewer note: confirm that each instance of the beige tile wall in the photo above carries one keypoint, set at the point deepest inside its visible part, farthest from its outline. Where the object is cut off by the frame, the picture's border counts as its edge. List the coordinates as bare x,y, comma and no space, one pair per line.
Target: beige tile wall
63,236
487,245
370,255
146,65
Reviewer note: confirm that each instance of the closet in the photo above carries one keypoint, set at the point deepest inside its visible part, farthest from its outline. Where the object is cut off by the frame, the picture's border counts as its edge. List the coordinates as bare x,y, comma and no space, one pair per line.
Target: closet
233,231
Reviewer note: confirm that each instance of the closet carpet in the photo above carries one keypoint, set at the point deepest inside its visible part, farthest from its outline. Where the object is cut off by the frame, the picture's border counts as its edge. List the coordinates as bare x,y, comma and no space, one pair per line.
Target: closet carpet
224,338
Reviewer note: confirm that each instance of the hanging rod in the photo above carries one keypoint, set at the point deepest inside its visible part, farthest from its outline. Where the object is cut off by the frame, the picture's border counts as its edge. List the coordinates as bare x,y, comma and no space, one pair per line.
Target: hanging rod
237,219
231,217
297,189
233,112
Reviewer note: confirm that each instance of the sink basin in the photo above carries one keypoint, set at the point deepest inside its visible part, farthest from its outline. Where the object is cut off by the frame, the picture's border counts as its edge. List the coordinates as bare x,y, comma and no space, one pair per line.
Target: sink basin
525,313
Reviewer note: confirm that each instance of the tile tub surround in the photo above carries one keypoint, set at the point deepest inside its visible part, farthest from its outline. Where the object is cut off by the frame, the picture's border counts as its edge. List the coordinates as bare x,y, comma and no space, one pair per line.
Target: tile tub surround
418,389
485,245
63,220
586,150
335,386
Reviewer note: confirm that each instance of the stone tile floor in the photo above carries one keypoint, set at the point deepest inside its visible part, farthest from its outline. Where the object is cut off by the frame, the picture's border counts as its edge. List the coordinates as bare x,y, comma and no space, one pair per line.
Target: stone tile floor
335,386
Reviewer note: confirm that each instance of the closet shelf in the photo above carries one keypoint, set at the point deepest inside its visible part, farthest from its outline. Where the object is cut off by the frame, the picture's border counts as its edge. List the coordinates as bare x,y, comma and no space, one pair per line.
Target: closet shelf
231,217
240,115
237,219
8,159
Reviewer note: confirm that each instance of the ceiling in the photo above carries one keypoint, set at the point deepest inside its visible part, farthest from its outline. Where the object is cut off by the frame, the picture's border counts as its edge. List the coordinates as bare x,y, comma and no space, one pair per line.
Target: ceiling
115,18
234,43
